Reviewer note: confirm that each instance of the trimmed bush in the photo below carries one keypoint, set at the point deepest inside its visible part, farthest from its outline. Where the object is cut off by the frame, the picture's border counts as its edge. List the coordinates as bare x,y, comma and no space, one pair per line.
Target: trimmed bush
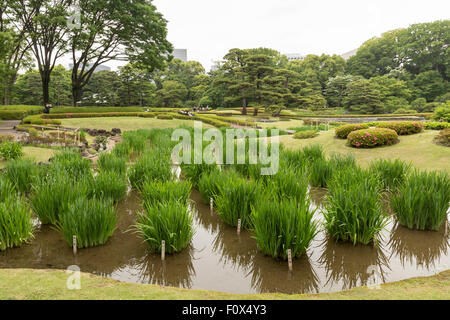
353,210
423,200
343,131
443,138
391,173
402,127
92,221
306,134
16,226
22,173
170,221
436,125
235,199
164,117
154,192
370,138
279,226
10,150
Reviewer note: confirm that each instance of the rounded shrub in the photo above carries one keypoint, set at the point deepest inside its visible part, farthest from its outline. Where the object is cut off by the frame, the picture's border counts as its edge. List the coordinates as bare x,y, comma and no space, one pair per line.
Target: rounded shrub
423,200
308,134
92,221
369,138
443,138
402,127
279,226
343,131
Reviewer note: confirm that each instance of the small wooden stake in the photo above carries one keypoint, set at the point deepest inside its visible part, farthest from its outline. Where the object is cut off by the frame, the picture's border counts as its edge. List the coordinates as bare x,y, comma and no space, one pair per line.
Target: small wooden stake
289,253
239,227
163,250
211,204
74,245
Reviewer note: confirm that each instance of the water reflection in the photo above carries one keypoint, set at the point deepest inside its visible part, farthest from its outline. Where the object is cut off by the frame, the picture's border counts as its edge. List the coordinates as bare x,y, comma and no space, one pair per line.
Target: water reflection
176,270
351,265
424,248
269,275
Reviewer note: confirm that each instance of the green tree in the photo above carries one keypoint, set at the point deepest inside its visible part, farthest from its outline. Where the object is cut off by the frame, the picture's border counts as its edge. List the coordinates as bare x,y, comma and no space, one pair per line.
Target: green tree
117,30
429,85
336,89
363,97
172,94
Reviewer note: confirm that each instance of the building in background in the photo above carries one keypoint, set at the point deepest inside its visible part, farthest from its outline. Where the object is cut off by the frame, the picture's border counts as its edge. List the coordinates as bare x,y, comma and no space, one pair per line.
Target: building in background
180,54
294,56
99,68
349,54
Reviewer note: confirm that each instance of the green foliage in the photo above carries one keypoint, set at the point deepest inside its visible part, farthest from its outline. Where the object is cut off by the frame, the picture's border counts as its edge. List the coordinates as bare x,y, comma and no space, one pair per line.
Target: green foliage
11,150
320,172
370,138
6,188
363,97
71,161
111,162
170,221
92,221
154,192
109,185
136,141
423,200
288,183
306,134
21,173
279,226
16,226
353,210
194,172
391,173
343,131
313,153
235,199
443,138
151,166
442,113
209,183
52,195
436,125
402,127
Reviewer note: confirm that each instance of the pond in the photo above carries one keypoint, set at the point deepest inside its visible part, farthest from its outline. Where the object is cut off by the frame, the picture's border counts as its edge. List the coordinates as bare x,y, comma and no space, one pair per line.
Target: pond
220,260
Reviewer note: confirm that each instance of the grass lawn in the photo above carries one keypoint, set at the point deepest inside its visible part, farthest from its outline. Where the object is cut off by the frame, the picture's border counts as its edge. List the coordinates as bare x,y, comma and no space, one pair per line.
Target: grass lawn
51,284
417,148
38,154
126,123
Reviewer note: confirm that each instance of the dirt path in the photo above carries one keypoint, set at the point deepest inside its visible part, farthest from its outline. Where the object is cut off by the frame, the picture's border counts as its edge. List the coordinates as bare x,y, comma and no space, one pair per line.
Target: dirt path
111,144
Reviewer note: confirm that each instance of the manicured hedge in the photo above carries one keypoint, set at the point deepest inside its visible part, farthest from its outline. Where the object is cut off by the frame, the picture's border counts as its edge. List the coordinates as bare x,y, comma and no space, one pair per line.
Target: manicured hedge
39,120
402,127
305,134
343,131
369,138
56,110
164,117
436,125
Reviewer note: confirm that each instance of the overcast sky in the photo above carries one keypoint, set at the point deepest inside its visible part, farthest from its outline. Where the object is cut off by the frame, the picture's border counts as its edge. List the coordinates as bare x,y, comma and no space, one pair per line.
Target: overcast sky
209,28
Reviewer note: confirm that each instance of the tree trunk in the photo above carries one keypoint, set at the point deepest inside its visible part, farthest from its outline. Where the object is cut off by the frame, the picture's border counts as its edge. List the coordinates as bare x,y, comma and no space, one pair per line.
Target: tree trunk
76,92
45,89
244,106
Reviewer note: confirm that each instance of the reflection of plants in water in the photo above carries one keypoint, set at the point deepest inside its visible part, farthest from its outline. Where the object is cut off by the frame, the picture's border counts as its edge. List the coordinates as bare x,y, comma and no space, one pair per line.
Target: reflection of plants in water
270,275
176,271
238,251
203,216
351,264
425,247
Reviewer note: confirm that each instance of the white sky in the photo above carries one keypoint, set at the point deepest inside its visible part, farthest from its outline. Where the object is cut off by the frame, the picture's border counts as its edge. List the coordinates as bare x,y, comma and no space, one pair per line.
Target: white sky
209,28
